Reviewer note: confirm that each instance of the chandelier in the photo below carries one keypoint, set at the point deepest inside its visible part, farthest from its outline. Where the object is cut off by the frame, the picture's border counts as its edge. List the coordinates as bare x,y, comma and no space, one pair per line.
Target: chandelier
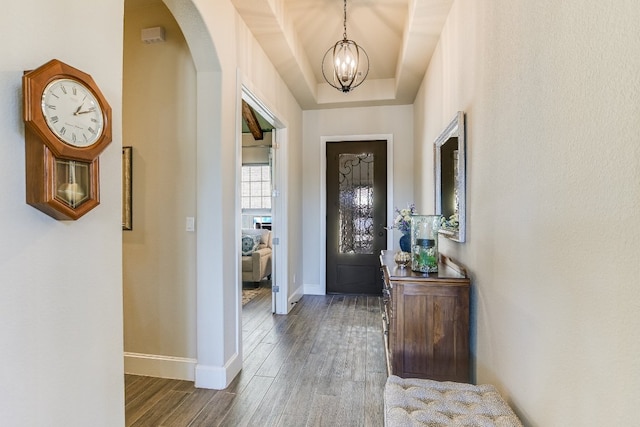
345,65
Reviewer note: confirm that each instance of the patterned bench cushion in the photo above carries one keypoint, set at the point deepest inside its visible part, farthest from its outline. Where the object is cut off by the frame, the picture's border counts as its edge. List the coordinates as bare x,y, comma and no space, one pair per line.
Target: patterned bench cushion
419,402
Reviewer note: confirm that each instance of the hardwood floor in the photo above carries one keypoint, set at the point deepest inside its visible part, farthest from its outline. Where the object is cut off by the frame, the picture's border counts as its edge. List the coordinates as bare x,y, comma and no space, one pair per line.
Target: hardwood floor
320,365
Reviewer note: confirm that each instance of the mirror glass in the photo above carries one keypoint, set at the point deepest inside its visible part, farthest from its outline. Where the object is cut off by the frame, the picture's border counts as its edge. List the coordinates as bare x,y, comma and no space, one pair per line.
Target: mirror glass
450,178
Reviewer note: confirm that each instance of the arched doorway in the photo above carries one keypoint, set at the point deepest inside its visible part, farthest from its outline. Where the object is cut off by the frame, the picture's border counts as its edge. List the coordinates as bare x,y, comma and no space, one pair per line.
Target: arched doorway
217,335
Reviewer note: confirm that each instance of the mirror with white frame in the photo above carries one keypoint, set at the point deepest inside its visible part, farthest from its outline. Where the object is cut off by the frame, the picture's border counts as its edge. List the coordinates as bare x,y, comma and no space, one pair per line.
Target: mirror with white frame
450,178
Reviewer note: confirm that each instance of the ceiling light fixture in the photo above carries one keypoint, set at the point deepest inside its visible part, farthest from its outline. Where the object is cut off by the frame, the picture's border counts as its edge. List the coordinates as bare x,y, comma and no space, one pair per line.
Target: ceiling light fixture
348,64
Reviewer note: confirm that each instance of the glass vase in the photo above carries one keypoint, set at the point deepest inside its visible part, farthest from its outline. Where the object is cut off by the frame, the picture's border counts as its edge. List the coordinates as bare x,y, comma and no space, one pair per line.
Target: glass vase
424,243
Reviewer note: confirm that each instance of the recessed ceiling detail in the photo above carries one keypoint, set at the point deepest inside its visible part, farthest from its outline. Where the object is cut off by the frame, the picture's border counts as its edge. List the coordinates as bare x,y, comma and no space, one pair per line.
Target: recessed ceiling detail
400,37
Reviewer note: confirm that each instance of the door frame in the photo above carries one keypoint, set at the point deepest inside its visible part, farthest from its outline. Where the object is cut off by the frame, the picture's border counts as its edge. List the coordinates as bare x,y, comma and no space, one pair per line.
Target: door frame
323,191
280,268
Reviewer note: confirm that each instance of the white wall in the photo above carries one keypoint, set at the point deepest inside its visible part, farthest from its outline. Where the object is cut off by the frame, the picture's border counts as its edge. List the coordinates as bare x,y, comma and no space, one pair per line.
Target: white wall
60,293
394,120
262,80
551,95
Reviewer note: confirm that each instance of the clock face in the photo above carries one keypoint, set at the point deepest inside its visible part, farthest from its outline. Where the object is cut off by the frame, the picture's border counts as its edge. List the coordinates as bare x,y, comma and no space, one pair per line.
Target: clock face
72,112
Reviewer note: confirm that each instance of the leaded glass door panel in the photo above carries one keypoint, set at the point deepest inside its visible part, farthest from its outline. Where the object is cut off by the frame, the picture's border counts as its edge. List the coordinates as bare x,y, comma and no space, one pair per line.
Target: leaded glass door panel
356,215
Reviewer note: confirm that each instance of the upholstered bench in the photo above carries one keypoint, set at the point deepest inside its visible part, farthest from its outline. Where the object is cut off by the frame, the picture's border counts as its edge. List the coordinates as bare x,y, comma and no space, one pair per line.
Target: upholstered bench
418,402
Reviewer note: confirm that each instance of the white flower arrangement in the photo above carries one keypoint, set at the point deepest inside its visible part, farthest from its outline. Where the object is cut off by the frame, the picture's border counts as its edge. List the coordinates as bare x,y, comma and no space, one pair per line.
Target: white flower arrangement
402,220
451,223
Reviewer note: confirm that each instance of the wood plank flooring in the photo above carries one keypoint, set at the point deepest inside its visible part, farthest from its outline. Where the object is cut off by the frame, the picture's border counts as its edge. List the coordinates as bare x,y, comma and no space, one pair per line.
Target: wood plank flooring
320,365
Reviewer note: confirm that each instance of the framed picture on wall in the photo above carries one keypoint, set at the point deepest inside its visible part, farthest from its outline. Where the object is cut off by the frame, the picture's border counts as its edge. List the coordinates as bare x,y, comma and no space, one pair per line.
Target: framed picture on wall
127,211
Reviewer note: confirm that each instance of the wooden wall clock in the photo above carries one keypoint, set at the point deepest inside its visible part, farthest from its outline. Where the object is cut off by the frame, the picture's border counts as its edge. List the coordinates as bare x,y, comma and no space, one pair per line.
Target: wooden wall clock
67,126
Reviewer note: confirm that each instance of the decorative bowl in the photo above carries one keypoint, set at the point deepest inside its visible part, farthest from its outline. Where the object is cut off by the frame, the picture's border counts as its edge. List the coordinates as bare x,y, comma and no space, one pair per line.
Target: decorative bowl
402,258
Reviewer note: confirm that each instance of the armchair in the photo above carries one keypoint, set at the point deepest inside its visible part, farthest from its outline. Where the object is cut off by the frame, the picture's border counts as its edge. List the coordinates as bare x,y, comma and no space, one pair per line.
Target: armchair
256,263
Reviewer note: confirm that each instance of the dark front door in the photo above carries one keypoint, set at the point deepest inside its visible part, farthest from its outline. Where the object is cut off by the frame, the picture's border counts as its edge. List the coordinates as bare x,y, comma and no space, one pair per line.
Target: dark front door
356,215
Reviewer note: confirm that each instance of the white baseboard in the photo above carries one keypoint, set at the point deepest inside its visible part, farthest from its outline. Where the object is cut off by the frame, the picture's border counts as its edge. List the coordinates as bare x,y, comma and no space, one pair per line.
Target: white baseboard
152,365
216,377
314,289
295,297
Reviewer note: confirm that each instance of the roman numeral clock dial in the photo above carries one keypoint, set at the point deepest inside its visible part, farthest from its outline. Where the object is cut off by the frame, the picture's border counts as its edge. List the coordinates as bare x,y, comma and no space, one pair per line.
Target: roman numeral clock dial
67,126
72,112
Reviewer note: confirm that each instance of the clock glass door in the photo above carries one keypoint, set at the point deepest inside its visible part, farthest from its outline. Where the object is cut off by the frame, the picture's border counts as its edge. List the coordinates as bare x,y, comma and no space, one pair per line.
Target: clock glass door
72,182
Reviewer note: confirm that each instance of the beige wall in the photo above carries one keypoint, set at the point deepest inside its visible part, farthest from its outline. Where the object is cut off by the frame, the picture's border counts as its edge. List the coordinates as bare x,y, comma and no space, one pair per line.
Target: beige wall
551,95
62,329
60,281
256,151
182,293
255,155
159,121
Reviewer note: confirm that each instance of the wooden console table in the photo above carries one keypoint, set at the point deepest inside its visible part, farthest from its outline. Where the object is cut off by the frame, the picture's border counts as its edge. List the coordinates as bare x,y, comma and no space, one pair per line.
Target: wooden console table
426,321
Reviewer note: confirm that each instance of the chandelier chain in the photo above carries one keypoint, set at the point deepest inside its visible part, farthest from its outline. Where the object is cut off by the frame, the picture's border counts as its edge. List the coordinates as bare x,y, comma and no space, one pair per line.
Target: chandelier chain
344,35
345,65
